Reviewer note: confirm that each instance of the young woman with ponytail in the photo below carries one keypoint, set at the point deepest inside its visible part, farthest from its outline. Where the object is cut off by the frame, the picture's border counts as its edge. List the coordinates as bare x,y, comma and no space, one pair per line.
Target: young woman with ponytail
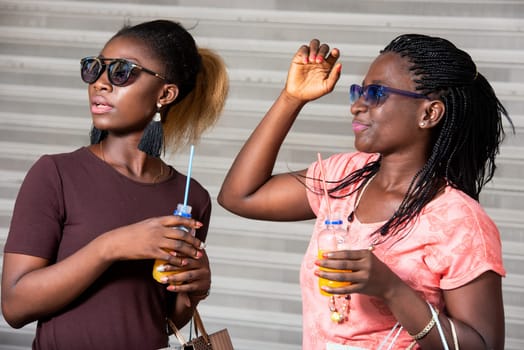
88,225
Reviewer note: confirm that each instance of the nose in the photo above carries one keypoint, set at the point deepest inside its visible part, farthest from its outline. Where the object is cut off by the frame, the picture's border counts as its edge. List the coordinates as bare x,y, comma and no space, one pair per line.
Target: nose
358,106
102,83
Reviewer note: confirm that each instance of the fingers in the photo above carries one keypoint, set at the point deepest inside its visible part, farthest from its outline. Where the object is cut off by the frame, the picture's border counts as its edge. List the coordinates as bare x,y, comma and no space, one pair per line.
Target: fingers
351,281
180,222
347,254
314,51
178,276
196,282
173,248
178,264
364,272
180,233
345,259
174,263
347,266
335,73
317,52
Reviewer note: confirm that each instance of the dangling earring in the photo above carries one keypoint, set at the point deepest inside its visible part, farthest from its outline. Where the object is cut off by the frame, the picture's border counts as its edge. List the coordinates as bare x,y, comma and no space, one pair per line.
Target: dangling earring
97,135
153,136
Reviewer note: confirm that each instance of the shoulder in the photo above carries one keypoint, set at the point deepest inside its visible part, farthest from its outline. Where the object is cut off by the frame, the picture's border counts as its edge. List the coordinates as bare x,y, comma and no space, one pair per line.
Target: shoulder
179,180
463,241
462,229
78,156
198,193
460,210
49,168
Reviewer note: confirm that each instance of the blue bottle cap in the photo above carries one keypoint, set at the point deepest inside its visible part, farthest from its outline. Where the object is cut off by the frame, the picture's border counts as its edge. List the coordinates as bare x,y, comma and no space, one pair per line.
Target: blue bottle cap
183,210
333,222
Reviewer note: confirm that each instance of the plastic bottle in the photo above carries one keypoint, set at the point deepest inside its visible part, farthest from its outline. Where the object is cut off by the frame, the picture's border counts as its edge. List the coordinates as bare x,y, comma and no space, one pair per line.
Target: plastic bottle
181,210
331,238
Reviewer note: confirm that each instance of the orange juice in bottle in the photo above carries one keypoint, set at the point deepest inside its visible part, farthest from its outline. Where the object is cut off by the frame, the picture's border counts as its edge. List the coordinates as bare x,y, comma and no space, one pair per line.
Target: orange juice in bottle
331,238
181,210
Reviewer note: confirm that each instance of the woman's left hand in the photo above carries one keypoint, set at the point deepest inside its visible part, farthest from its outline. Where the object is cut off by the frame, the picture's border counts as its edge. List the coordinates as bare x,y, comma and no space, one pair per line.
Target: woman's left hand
366,273
193,279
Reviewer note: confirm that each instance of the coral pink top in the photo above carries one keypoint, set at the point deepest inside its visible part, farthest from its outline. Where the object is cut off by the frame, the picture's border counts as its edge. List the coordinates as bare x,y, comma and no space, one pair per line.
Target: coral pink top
451,243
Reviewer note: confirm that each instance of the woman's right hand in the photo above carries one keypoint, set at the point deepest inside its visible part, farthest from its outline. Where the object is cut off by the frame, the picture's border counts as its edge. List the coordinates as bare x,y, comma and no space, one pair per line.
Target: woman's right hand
34,287
313,72
155,238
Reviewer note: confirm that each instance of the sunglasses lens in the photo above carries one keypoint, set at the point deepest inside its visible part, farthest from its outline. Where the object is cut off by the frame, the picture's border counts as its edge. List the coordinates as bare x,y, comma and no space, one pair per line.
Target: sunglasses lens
372,95
355,92
119,72
90,70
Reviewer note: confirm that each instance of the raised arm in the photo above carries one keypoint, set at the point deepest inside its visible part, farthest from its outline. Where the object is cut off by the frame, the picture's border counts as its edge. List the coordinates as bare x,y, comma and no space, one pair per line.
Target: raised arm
250,189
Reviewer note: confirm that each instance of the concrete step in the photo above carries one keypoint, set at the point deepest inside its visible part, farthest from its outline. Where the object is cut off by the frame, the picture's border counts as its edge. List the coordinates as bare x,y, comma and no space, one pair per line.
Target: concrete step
278,328
239,53
483,8
350,24
23,69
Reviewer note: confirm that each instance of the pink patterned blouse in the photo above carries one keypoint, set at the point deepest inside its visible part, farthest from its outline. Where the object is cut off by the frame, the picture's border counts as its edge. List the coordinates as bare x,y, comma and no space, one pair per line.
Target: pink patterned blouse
452,242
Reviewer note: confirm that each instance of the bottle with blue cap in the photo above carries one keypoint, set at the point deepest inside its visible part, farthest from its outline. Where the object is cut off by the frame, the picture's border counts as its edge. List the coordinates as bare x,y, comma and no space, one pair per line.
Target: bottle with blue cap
158,273
331,238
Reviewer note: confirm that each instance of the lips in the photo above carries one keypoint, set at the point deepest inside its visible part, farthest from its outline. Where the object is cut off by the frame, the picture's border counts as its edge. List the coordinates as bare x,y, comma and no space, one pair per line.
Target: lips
358,126
99,105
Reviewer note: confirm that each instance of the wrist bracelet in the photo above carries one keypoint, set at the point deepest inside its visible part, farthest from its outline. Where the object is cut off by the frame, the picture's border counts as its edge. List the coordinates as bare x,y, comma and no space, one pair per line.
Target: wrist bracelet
426,329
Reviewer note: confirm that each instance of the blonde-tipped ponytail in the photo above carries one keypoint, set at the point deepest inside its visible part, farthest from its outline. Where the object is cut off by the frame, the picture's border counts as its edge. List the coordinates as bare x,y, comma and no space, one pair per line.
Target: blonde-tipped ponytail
187,120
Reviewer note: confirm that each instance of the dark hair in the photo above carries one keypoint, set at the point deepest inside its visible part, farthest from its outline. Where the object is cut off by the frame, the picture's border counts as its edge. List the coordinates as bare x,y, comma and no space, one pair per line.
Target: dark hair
200,75
467,138
173,46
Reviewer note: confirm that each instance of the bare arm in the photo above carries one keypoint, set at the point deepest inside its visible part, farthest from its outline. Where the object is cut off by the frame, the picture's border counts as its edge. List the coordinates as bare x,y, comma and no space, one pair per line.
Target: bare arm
476,309
249,188
32,288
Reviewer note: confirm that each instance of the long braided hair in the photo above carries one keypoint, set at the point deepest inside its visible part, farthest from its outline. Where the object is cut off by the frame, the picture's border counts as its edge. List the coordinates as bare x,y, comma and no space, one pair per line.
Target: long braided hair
465,142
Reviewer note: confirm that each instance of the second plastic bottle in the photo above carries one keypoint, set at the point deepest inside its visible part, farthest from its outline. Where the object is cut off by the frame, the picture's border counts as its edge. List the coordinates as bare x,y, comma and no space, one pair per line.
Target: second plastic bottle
331,238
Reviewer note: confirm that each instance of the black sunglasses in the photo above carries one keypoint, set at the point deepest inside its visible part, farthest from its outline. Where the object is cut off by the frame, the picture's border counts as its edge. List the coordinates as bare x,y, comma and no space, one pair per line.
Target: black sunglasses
119,70
375,94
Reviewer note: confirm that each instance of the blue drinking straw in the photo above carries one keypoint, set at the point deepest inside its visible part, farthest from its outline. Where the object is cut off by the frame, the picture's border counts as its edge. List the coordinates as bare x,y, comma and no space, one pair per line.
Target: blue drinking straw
189,166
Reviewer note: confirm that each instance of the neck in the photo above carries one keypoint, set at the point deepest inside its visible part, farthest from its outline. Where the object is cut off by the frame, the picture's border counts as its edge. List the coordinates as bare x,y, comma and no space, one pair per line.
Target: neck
395,175
131,162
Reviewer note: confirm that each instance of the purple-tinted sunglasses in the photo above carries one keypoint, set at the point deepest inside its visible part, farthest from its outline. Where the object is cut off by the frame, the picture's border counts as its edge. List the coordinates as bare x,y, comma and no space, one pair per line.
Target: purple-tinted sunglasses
375,94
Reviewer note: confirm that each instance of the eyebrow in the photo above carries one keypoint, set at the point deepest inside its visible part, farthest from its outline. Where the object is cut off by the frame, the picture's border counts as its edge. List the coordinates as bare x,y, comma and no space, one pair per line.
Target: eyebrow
130,59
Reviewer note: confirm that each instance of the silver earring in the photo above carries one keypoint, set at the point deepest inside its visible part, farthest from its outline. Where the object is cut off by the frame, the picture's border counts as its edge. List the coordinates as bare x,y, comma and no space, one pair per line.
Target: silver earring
157,116
422,124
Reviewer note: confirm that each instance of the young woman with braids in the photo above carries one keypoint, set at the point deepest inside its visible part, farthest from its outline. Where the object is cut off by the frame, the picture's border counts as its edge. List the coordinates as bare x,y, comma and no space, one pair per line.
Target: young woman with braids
88,225
427,128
